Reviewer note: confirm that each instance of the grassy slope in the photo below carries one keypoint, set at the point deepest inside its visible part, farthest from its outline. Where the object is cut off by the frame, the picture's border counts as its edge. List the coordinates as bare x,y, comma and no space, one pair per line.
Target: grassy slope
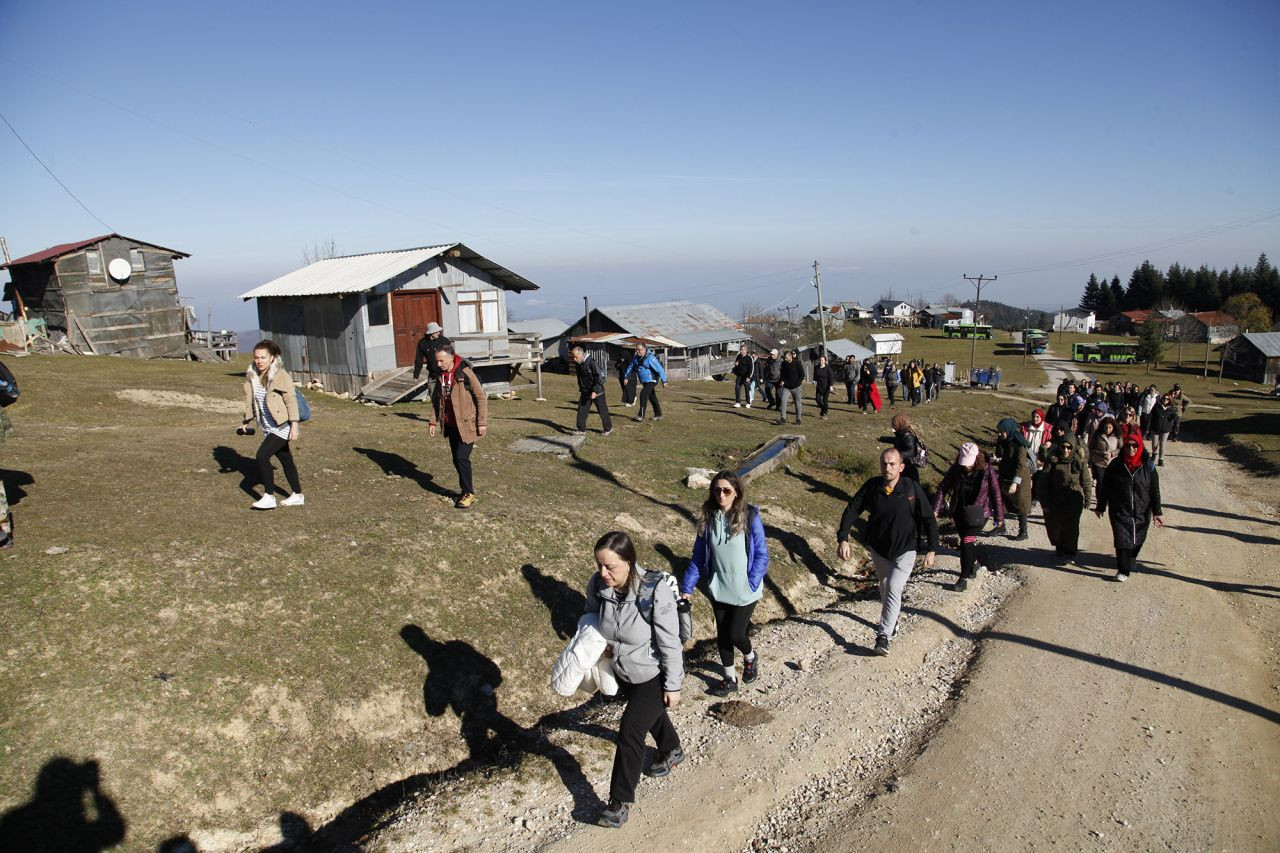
225,666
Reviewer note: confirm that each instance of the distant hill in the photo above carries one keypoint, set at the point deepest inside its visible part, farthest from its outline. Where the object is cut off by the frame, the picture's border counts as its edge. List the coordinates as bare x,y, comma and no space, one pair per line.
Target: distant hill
1003,316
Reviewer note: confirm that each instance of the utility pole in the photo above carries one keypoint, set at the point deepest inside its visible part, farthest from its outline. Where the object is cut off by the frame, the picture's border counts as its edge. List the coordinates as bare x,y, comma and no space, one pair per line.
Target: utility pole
978,281
822,307
1026,320
586,314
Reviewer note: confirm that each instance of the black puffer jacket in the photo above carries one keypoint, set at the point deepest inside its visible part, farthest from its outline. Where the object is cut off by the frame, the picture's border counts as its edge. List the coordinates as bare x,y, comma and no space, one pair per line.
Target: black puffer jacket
1131,498
589,377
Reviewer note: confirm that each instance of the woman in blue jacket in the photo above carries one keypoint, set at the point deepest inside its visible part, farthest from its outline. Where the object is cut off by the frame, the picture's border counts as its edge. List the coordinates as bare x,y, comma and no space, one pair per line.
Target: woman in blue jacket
729,563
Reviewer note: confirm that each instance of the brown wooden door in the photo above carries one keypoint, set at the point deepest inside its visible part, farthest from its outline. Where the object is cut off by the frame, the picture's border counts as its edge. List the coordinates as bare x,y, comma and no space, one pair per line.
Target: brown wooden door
411,311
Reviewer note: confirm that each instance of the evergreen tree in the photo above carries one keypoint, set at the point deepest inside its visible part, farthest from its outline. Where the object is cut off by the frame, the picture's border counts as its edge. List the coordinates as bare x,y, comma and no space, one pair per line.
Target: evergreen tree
1266,283
1092,297
1151,342
1117,294
1179,284
1205,295
1146,286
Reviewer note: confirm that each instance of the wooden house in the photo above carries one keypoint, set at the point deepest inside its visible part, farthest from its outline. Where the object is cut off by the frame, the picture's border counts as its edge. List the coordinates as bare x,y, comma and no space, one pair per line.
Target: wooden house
1253,356
107,295
1212,327
346,321
695,341
937,316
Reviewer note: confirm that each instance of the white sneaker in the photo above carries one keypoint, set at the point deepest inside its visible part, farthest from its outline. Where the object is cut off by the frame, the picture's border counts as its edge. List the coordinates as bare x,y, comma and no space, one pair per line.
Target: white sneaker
265,502
295,499
748,405
737,405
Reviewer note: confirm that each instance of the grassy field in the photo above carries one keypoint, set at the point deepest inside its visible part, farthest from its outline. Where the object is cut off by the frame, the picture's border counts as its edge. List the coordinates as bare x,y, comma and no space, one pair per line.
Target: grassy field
930,345
226,668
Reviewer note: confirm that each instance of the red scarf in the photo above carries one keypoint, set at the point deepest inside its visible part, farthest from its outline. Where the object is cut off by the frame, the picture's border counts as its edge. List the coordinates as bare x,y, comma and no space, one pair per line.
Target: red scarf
447,379
1134,461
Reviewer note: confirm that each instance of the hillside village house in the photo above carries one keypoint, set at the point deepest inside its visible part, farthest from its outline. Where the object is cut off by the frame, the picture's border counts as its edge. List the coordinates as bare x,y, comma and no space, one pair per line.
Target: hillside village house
856,312
937,316
884,343
834,315
1075,320
694,341
1212,327
109,295
1253,356
344,321
894,312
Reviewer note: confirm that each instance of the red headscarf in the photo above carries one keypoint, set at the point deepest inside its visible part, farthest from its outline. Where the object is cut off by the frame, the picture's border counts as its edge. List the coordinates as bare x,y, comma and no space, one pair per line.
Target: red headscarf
1134,461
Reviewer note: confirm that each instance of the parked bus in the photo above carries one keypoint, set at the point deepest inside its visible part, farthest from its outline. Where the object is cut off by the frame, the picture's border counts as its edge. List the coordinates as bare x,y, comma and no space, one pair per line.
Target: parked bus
1034,341
1105,352
967,330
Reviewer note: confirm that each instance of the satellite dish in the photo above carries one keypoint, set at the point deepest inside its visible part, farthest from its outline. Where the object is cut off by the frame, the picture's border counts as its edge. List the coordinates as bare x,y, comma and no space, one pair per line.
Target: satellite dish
119,269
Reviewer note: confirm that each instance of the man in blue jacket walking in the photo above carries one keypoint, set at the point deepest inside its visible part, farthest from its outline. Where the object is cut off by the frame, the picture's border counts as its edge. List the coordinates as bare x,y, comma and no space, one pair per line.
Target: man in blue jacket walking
650,372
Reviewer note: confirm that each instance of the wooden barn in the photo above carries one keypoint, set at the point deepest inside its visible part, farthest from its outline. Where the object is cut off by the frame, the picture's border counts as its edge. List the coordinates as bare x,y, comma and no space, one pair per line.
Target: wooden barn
346,321
1254,356
109,295
695,341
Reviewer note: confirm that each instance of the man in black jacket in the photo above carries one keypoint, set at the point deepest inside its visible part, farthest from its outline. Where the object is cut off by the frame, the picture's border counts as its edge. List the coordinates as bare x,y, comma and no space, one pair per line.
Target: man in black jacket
590,390
791,375
743,368
431,342
897,508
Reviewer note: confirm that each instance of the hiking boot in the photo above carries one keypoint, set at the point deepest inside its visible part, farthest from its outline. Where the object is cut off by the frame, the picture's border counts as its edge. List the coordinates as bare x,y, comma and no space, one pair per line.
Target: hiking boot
882,645
780,421
961,585
1161,463
751,669
466,501
724,688
666,762
295,499
613,815
265,502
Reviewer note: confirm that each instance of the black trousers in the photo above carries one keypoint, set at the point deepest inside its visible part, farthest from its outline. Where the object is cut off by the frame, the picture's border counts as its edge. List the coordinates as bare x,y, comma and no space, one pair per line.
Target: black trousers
628,389
770,394
822,396
644,714
1127,559
893,393
848,390
741,389
584,407
732,623
274,445
649,392
461,452
968,559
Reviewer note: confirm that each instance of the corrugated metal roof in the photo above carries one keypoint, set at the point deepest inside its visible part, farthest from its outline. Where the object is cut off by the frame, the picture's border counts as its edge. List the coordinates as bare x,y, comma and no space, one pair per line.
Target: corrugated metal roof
842,348
358,273
548,327
1268,343
886,336
67,248
683,324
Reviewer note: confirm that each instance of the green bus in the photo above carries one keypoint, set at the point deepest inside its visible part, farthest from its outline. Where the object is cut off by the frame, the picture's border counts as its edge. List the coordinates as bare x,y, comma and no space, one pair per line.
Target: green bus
967,330
1034,341
1105,352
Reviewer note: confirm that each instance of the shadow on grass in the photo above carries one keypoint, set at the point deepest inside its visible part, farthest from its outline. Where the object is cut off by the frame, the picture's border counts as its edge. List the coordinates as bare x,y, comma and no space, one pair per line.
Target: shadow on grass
563,602
67,811
231,461
609,477
397,465
549,424
1134,670
13,481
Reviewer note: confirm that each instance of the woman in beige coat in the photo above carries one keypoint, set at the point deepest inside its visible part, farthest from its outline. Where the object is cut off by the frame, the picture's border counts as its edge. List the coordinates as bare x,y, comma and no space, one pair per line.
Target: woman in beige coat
270,399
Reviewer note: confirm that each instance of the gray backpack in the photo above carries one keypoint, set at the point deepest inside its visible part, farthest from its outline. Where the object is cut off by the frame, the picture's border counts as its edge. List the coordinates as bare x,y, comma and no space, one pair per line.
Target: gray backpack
649,587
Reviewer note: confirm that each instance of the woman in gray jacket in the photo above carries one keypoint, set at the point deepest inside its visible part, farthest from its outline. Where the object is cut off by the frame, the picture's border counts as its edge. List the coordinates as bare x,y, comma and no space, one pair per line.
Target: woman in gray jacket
638,618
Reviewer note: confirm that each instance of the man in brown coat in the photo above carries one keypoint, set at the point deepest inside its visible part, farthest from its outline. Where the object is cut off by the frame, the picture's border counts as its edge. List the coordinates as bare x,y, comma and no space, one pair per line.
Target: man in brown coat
459,405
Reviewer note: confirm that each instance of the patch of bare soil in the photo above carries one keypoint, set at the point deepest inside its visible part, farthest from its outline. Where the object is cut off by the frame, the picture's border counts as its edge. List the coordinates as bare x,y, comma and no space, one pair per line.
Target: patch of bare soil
738,713
179,399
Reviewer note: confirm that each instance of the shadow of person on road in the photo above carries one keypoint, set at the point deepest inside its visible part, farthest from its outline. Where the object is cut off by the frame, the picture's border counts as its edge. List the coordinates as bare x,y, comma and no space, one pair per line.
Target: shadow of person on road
397,465
68,812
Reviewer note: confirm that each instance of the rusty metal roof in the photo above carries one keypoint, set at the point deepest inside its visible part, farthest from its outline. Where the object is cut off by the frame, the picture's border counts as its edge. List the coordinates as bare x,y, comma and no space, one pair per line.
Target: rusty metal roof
67,248
358,273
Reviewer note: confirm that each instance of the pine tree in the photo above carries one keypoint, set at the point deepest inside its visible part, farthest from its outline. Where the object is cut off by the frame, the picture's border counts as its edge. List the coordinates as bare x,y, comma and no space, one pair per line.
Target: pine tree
1146,286
1266,283
1092,297
1151,342
1205,295
1117,293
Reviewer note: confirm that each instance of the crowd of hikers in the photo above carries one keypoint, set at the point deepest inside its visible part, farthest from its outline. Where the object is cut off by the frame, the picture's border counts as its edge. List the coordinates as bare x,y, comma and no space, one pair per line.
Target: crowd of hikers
1098,446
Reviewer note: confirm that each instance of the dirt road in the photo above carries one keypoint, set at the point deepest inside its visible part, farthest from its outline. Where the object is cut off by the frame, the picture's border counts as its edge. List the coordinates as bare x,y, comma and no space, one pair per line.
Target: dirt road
1141,715
1047,705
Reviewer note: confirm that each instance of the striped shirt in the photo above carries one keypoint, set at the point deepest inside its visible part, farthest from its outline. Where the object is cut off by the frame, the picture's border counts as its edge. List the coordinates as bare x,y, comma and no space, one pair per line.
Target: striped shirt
268,424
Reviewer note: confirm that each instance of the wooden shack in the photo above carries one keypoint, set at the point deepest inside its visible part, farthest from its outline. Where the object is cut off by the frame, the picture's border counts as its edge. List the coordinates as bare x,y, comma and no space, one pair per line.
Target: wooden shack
353,323
107,295
1253,356
696,341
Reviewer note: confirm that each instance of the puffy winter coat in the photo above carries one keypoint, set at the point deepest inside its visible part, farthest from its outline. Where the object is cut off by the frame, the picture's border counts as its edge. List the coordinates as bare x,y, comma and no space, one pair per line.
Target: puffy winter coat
281,400
582,665
1130,498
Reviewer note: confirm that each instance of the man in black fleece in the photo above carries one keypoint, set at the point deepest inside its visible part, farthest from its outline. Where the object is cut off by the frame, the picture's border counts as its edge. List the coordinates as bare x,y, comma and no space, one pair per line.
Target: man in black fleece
590,391
897,507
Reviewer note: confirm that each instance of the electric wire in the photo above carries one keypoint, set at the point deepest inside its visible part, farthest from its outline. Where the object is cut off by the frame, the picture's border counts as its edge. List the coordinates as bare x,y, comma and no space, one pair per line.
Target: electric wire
67,189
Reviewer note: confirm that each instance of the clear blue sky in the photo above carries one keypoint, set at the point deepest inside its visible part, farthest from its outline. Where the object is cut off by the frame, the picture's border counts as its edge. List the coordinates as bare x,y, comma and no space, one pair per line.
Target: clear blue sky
643,152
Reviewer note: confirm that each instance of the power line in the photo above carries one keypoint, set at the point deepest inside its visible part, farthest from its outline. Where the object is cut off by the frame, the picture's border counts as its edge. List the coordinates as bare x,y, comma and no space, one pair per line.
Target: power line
85,207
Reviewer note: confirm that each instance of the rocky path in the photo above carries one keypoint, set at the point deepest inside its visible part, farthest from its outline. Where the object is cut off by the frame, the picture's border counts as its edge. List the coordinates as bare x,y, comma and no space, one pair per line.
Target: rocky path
1046,705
